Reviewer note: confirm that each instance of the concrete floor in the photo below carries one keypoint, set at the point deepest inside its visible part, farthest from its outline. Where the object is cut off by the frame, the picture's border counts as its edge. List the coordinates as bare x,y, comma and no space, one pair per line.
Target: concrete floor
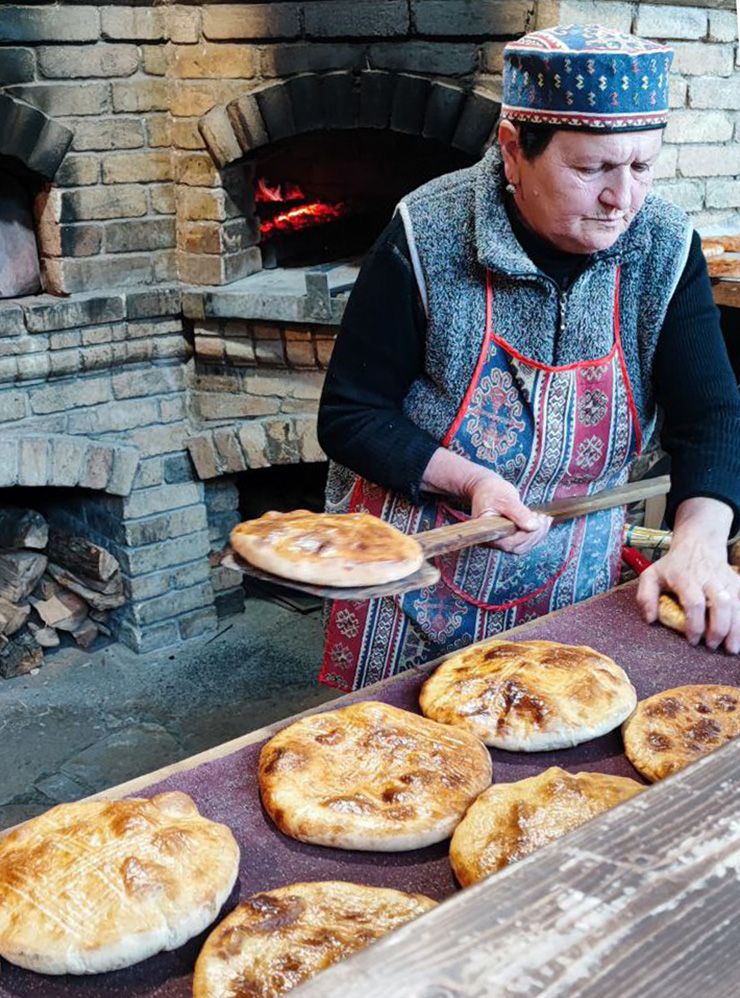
89,721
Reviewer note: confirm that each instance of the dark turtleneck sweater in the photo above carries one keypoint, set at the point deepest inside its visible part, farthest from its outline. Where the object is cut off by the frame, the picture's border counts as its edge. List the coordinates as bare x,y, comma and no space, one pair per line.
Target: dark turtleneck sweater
380,351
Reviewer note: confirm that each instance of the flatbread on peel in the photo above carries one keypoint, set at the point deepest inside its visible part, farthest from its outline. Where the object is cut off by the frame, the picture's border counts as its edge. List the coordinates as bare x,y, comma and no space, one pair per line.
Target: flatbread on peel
342,549
712,248
273,941
371,776
98,885
529,696
724,266
731,244
673,728
510,820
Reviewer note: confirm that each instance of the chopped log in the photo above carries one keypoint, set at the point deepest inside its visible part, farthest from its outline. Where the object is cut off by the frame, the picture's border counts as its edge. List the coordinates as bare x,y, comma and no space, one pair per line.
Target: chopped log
19,573
12,616
65,611
99,616
111,587
47,637
81,556
20,655
22,528
85,633
46,587
108,600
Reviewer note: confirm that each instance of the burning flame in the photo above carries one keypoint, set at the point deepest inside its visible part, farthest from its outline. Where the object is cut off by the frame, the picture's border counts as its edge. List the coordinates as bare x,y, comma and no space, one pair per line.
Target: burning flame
302,216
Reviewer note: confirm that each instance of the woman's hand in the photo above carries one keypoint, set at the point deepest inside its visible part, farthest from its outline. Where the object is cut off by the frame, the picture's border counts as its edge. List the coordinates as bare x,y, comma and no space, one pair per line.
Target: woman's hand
696,570
489,495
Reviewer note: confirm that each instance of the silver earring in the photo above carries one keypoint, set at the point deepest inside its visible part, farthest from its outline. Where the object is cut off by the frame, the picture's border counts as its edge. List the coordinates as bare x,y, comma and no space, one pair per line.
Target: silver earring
511,188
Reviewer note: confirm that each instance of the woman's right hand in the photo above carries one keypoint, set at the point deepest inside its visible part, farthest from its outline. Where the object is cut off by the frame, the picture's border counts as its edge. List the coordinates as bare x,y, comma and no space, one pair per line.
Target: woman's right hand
492,495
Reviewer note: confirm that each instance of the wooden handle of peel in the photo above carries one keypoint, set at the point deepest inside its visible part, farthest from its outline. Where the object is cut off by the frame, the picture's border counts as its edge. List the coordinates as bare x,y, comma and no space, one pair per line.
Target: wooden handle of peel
485,529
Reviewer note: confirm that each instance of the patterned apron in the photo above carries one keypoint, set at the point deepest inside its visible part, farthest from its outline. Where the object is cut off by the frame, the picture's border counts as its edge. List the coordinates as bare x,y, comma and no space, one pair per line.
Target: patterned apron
553,432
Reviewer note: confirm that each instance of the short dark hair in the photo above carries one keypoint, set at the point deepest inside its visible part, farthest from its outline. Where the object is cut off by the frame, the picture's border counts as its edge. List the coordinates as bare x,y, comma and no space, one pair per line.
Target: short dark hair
534,139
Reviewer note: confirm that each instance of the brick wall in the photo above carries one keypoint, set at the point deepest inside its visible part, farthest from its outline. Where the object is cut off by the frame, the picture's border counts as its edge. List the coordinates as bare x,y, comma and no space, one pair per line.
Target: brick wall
139,199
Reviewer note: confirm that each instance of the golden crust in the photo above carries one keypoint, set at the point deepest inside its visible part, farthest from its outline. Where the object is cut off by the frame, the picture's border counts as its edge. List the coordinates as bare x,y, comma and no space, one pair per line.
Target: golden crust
673,728
712,248
99,885
529,696
724,266
731,244
670,613
347,549
273,941
371,776
511,820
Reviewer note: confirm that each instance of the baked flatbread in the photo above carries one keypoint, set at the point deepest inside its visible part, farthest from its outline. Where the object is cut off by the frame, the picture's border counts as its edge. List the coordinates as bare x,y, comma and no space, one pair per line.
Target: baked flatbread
511,820
724,266
343,549
671,613
731,244
274,941
529,696
371,776
712,248
99,885
673,728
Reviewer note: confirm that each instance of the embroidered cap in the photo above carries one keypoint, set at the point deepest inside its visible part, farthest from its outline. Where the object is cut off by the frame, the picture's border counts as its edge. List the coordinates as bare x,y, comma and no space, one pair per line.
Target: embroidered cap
586,76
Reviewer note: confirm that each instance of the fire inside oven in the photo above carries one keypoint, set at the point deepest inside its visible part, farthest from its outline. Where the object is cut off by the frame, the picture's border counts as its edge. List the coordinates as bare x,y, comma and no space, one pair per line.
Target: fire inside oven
327,196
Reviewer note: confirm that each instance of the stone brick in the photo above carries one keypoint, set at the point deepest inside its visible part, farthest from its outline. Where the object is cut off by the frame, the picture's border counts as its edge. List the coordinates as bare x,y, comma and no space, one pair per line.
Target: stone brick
257,20
227,446
667,163
159,439
141,95
16,66
106,133
310,57
178,468
125,463
121,201
706,92
229,603
78,171
64,362
96,466
478,117
308,443
247,122
469,17
223,578
698,126
94,335
195,169
150,638
199,205
8,369
58,99
184,134
133,24
96,61
50,24
150,381
209,350
175,523
667,22
162,498
165,606
114,417
158,130
213,62
199,237
202,269
678,91
709,160
183,24
723,26
149,473
191,98
240,352
611,13
221,407
702,59
162,199
686,194
155,60
173,408
33,460
34,367
159,301
203,452
13,405
165,554
146,234
8,462
80,240
217,130
11,320
67,455
723,194
142,168
355,18
282,444
193,625
221,496
49,315
103,272
443,58
324,349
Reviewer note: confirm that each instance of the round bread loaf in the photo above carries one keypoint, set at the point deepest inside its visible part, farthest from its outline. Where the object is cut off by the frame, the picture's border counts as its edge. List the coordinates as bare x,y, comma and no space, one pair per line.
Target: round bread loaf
529,696
273,941
99,885
346,549
510,820
371,776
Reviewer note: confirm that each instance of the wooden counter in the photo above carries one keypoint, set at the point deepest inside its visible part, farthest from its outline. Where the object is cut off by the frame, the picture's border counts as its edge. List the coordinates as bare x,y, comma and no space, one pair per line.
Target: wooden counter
642,901
726,291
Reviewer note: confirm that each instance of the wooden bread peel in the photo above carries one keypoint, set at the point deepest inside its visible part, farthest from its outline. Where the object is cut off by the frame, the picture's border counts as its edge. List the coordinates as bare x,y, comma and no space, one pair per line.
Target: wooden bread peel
469,532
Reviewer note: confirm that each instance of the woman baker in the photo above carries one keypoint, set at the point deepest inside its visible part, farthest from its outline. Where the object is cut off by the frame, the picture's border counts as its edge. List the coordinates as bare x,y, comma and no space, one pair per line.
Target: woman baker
509,341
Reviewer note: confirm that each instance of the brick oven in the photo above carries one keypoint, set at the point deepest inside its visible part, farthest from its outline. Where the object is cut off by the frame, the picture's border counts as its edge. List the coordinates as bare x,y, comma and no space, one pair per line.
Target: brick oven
190,191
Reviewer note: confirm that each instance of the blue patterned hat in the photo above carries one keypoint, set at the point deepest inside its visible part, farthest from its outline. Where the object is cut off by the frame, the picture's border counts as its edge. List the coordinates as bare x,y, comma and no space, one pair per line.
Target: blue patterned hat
586,76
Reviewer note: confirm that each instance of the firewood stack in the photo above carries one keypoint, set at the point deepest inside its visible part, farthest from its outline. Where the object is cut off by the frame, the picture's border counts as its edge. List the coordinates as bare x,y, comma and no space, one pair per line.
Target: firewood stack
50,582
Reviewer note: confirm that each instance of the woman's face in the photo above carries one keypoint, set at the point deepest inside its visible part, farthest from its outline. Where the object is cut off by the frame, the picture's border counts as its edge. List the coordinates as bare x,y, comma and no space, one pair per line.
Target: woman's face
583,191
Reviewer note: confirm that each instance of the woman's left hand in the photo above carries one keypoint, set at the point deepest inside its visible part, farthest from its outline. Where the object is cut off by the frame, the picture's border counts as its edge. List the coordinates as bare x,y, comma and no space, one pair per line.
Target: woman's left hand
696,570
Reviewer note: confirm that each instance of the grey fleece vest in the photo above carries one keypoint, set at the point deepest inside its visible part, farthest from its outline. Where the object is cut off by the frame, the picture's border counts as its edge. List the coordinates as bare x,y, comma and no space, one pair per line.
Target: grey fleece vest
457,229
